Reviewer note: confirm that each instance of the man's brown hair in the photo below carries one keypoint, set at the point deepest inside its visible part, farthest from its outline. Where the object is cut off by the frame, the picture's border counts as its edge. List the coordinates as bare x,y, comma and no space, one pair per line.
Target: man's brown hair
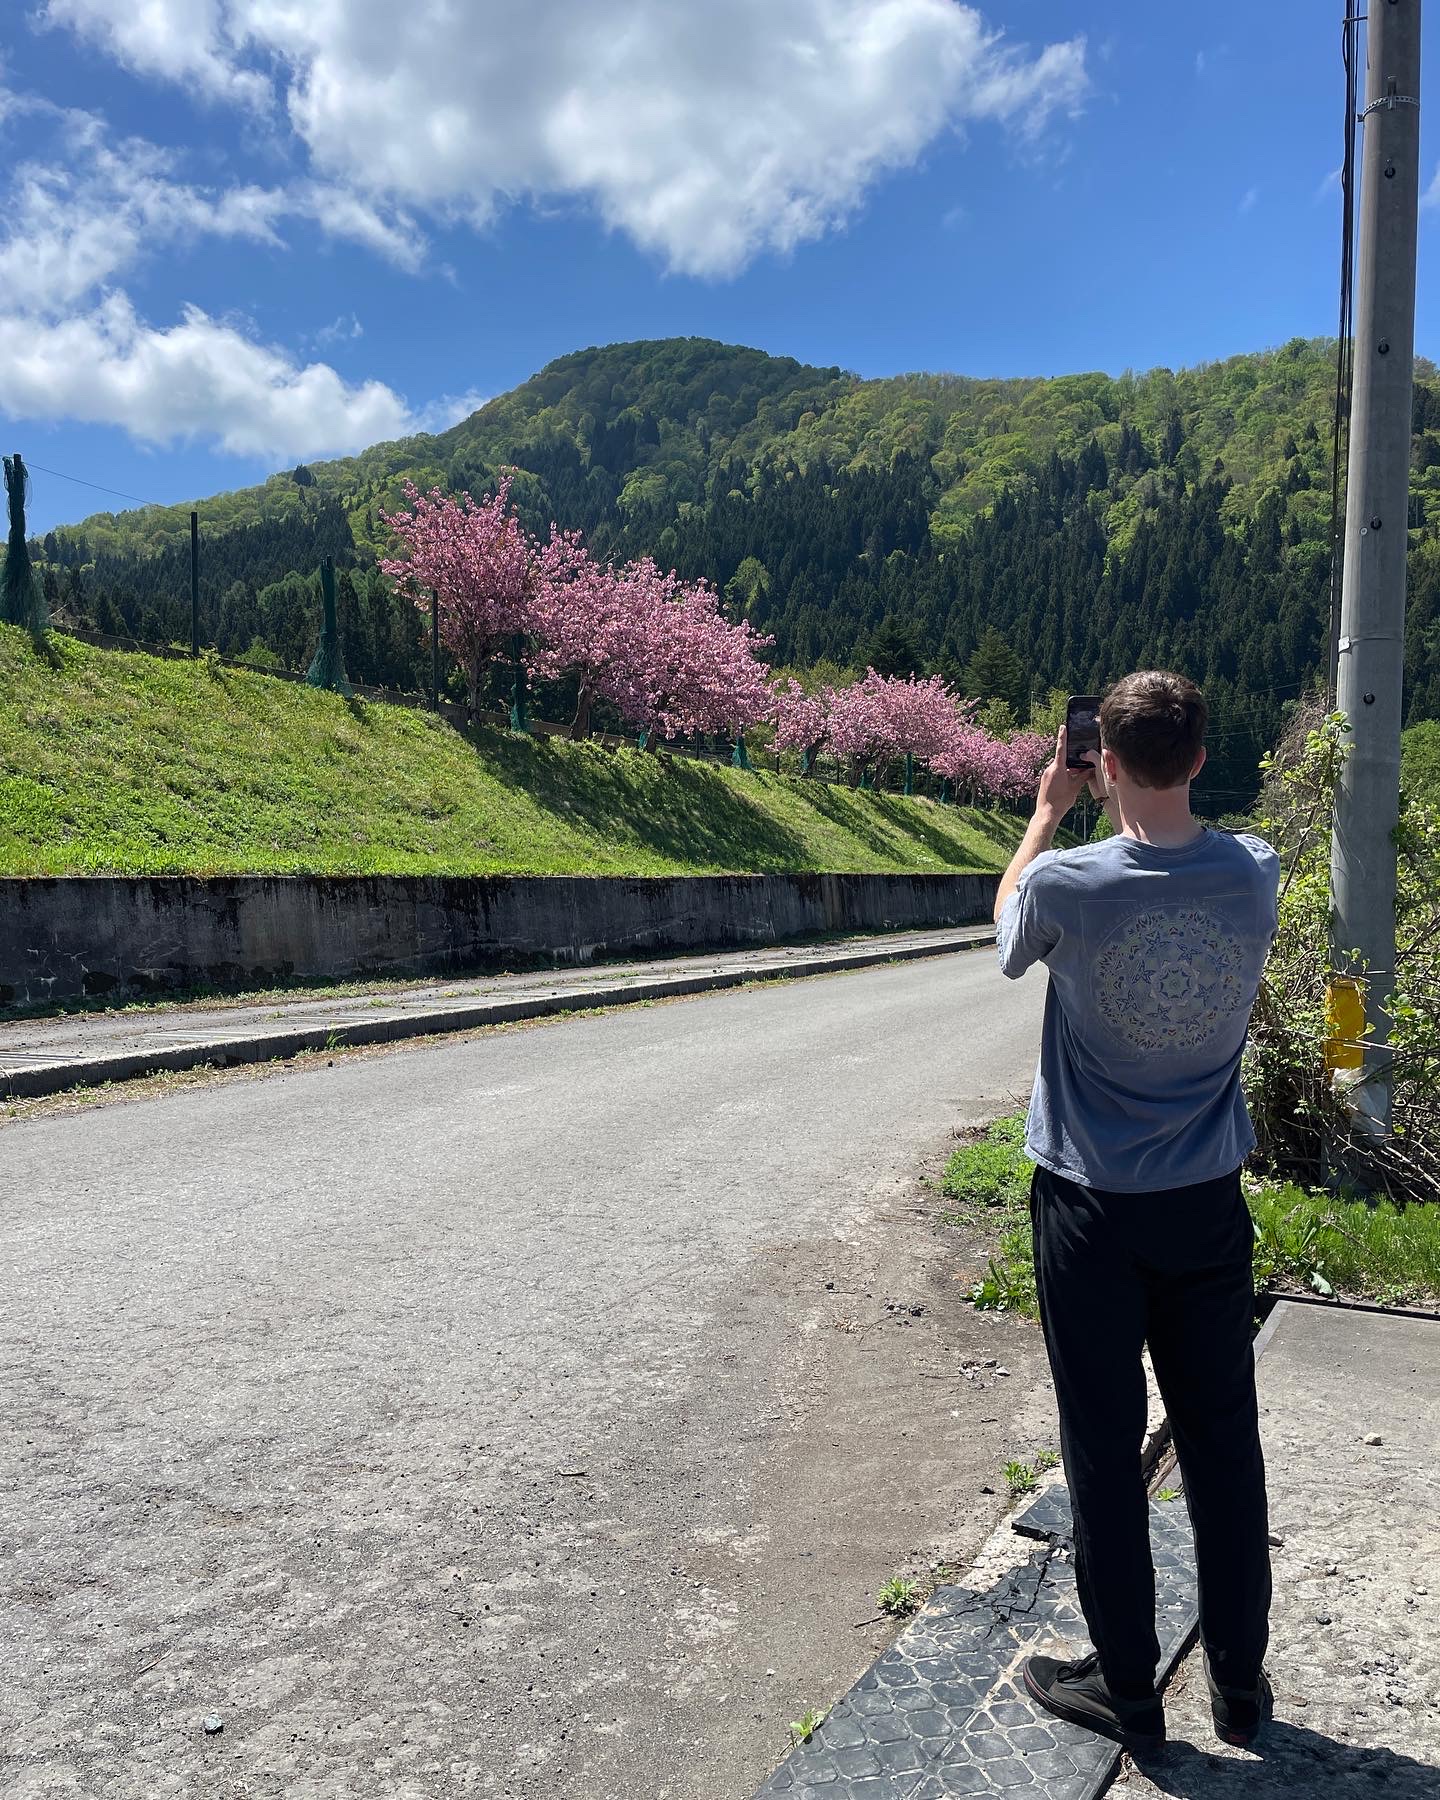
1155,724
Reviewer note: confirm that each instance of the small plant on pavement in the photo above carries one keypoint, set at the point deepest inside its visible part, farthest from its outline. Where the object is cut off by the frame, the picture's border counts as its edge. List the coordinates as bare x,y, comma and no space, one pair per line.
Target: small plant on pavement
1006,1287
899,1596
1019,1478
1046,1459
804,1728
1168,1494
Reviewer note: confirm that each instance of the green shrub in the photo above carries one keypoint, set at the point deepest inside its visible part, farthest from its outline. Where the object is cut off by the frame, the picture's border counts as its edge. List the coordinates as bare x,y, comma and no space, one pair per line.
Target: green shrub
1334,1244
1300,1114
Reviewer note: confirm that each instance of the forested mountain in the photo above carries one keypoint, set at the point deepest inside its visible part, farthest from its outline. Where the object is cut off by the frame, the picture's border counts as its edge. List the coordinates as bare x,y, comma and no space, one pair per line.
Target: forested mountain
1018,535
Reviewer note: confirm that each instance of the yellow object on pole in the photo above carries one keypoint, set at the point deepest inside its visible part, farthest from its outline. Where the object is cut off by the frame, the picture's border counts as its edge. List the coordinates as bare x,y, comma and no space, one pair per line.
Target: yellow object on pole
1344,1023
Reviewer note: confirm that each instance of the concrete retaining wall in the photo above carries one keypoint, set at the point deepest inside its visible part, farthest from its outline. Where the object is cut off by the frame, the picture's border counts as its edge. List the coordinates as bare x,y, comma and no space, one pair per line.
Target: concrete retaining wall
66,938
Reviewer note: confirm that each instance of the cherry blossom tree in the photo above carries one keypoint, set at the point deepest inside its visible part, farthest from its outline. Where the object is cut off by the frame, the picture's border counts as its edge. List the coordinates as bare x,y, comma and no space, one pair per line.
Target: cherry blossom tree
802,722
585,617
997,768
860,725
966,753
1025,755
481,565
686,668
883,716
920,712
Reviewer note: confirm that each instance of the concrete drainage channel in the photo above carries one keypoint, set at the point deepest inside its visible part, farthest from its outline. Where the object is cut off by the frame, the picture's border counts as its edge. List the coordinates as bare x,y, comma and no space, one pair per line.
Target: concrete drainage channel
250,1034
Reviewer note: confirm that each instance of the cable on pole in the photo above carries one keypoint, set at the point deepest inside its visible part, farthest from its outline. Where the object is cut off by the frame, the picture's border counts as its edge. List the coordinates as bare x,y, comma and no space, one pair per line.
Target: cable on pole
1345,348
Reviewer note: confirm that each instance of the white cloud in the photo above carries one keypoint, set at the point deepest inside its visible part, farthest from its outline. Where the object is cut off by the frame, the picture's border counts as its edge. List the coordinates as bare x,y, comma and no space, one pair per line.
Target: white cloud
73,347
340,330
182,40
1247,200
1430,199
707,134
200,379
89,208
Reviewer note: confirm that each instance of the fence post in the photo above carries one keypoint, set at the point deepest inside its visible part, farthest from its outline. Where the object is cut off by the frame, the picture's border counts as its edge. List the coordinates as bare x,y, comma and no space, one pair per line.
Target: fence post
194,584
435,649
519,710
328,668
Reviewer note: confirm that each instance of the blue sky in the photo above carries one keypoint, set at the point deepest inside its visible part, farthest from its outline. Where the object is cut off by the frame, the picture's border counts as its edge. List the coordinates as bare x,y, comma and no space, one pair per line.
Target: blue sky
251,233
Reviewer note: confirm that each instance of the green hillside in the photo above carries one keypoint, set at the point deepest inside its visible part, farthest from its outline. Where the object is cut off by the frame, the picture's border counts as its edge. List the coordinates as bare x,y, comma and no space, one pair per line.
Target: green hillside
116,763
1094,523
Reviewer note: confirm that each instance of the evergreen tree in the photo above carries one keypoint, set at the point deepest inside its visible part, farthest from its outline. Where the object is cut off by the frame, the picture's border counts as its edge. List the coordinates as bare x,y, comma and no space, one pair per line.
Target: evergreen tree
893,648
21,600
995,672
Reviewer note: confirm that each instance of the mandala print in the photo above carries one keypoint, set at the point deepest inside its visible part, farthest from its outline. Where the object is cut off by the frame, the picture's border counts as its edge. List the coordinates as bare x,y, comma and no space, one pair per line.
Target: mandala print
1169,980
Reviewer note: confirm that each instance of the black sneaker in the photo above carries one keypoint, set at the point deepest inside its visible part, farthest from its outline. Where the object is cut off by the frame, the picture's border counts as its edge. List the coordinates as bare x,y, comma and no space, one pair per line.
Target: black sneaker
1240,1714
1076,1691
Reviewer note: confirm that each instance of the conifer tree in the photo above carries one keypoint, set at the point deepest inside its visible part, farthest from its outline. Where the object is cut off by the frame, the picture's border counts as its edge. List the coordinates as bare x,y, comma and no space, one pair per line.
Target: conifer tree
21,601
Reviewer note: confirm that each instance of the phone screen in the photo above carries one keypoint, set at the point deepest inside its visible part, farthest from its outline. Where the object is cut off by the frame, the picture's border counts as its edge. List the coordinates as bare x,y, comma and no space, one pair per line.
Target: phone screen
1082,728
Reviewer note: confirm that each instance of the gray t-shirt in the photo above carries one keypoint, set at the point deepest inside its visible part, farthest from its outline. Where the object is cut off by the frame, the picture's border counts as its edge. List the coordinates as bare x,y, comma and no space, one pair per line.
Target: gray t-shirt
1154,958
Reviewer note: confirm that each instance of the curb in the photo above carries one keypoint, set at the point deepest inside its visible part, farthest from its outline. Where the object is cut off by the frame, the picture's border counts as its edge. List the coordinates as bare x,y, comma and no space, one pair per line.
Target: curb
40,1079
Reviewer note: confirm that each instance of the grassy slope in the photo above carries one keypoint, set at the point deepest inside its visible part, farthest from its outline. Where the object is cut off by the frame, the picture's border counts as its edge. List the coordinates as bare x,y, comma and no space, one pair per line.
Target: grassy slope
112,763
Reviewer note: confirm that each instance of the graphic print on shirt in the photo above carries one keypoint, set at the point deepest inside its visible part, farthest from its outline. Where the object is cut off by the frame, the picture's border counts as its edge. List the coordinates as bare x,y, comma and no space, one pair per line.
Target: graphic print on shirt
1169,978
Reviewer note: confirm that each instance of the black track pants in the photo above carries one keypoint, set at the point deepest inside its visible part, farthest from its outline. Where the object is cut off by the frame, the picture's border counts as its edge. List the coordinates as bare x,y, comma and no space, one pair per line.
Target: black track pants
1171,1269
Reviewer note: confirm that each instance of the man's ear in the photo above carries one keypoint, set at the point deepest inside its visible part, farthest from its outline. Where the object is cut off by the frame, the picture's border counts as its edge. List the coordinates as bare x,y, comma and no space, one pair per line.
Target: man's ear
1110,763
1199,763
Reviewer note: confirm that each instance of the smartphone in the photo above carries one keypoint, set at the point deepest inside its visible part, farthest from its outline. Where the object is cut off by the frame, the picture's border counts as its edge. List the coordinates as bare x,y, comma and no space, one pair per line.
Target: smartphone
1082,729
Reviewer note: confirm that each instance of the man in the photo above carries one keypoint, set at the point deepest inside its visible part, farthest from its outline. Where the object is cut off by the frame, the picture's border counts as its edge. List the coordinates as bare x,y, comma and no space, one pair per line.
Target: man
1155,939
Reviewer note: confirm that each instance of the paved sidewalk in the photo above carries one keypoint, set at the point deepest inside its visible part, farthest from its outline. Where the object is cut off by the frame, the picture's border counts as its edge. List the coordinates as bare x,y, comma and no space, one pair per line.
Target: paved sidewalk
1355,1626
1355,1640
46,1056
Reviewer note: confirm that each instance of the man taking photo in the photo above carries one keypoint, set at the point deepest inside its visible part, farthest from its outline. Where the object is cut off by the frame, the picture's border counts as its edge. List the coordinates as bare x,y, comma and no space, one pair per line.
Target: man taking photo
1155,939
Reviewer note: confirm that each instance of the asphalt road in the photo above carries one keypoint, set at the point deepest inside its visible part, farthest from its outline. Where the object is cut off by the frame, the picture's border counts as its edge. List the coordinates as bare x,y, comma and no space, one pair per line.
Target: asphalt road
533,1414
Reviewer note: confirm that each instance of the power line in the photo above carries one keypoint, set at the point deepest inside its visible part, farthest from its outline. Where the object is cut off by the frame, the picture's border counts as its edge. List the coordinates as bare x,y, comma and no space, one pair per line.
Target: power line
82,482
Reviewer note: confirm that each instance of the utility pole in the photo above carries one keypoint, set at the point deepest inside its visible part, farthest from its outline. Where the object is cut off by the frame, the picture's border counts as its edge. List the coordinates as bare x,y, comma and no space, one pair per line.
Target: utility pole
1370,653
194,584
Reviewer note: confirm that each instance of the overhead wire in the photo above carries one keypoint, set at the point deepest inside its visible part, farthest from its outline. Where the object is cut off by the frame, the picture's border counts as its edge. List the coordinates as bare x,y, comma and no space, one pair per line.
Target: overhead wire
40,469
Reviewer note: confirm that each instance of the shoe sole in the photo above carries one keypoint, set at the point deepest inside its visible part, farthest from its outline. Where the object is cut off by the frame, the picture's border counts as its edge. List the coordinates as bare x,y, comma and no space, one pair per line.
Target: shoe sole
1075,1715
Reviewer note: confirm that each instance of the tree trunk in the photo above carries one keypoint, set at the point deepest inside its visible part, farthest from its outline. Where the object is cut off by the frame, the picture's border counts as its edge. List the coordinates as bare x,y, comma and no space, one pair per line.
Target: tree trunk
580,724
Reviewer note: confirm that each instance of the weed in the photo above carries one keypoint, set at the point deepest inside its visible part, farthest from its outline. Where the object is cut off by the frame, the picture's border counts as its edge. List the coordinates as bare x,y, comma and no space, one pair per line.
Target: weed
1168,1493
1019,1479
899,1596
804,1728
1006,1287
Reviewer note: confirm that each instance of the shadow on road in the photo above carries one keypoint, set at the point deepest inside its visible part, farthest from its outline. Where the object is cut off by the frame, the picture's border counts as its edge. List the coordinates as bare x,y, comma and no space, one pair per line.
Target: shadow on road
1288,1762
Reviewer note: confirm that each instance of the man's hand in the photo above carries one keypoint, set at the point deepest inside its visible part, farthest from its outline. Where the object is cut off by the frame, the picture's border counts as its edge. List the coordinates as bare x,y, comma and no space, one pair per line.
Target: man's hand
1060,788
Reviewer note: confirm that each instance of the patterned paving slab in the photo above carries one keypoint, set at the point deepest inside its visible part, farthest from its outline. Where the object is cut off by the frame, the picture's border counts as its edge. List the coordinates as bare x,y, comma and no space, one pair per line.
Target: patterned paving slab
943,1712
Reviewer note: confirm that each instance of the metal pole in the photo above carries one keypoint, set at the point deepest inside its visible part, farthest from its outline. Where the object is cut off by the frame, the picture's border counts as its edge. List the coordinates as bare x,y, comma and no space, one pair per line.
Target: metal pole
194,584
1370,655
